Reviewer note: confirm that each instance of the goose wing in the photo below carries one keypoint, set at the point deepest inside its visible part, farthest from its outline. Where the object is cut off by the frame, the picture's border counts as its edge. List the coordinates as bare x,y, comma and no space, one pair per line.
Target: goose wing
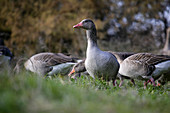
51,59
149,59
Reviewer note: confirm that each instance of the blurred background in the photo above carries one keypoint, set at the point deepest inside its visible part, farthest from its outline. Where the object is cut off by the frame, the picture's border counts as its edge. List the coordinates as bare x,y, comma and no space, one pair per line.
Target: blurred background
33,26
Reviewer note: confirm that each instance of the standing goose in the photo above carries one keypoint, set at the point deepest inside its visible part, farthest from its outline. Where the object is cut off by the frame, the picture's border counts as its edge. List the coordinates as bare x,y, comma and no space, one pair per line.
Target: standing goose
145,66
50,63
100,63
5,54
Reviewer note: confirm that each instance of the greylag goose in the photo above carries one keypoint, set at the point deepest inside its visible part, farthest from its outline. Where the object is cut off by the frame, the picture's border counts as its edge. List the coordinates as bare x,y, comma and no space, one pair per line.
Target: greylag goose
5,54
98,63
145,66
78,69
50,64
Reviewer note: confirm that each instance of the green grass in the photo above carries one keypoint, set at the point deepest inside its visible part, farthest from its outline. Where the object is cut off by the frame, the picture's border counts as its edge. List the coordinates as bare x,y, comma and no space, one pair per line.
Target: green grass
28,93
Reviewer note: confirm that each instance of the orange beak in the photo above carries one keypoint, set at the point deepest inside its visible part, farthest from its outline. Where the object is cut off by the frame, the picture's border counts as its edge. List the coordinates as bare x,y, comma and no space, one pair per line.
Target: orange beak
78,25
73,71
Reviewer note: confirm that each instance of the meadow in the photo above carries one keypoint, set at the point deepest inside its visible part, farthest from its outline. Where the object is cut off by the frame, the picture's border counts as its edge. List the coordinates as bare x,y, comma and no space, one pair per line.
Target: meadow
28,93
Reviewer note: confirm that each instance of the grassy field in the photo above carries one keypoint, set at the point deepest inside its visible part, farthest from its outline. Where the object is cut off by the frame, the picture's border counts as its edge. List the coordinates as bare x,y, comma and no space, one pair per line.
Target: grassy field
28,93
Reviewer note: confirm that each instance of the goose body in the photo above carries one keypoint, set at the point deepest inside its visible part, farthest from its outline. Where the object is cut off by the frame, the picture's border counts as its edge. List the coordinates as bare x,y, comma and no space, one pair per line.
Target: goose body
80,67
100,63
145,66
49,63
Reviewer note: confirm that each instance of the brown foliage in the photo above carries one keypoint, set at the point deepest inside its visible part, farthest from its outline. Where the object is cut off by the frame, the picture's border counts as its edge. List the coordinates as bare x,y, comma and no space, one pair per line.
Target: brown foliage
46,25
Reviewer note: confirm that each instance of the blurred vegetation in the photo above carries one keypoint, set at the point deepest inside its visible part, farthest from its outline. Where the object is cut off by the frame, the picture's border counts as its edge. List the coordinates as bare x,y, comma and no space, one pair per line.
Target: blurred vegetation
28,93
46,25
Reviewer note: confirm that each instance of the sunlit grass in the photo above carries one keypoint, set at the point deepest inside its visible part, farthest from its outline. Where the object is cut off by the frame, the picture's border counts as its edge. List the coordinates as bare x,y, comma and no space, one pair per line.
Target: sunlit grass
27,92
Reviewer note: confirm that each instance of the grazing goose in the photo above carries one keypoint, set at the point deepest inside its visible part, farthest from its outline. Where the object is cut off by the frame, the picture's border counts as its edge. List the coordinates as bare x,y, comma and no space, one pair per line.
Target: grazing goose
100,63
50,63
145,66
78,68
5,55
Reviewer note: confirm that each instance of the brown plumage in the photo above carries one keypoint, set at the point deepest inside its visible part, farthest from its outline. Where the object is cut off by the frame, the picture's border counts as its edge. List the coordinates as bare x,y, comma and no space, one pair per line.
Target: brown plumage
149,59
52,59
145,66
50,63
120,56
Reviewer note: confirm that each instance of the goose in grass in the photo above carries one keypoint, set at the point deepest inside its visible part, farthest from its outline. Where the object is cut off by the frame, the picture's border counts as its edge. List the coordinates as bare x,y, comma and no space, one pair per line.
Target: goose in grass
78,69
50,64
145,66
98,63
120,56
5,55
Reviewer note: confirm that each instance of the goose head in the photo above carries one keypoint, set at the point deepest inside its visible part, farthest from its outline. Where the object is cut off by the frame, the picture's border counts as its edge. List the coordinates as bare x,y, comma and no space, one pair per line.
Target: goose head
85,24
78,68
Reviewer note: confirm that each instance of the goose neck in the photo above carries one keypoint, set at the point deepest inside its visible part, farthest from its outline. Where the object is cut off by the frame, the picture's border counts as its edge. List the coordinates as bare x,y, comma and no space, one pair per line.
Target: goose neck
91,37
